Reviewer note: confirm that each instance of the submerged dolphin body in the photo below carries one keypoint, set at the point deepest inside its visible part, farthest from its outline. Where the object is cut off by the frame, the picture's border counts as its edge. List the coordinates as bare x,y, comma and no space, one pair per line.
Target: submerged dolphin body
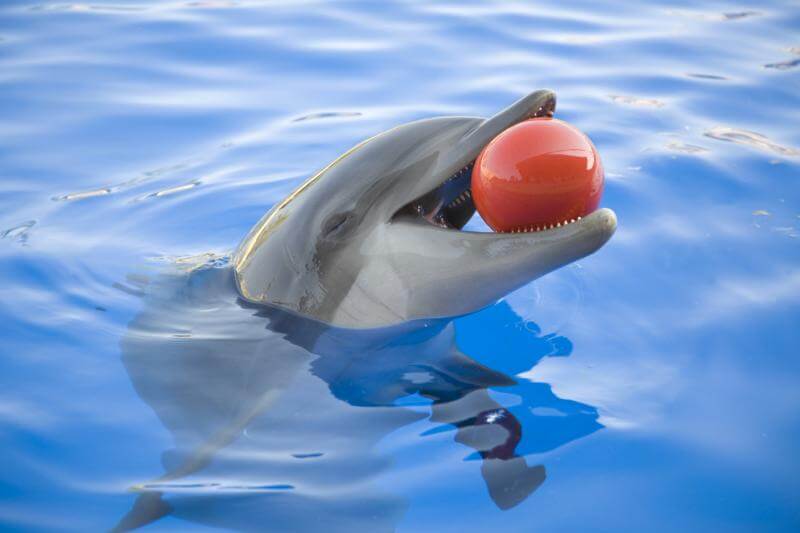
374,239
275,418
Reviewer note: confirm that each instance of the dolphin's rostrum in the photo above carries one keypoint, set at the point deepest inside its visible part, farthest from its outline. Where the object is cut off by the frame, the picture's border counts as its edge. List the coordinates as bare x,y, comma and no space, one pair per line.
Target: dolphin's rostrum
374,239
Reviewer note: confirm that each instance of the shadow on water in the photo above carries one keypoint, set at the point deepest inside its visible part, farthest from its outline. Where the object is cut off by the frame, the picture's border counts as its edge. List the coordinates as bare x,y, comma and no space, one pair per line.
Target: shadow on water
275,419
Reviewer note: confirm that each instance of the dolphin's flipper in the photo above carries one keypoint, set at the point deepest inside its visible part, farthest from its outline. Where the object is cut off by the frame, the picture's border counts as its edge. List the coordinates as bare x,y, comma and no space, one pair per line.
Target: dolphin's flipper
494,432
511,481
147,508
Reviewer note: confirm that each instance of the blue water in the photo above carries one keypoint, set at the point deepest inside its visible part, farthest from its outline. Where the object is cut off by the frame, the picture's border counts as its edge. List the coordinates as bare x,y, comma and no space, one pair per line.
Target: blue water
656,381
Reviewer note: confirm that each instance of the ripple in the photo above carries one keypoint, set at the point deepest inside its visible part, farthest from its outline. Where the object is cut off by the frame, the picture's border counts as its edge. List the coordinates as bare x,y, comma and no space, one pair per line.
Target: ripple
85,7
740,15
212,4
762,219
307,455
83,195
144,177
283,486
191,263
677,146
707,76
749,138
789,231
720,17
209,486
636,101
161,171
128,289
331,114
174,190
18,233
783,65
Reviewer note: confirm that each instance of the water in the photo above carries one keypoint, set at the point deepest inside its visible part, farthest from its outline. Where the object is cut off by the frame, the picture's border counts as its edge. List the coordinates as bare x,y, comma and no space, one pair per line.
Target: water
656,380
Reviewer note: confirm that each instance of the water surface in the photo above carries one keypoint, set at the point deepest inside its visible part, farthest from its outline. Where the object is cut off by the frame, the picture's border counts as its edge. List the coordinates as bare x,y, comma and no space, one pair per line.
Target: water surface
655,381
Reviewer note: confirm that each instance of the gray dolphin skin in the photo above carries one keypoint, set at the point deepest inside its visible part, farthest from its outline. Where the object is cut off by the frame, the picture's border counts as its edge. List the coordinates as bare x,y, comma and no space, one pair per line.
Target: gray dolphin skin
374,239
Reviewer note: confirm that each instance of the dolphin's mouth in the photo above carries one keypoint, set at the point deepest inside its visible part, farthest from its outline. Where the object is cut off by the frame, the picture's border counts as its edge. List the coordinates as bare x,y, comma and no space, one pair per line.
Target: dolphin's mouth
450,205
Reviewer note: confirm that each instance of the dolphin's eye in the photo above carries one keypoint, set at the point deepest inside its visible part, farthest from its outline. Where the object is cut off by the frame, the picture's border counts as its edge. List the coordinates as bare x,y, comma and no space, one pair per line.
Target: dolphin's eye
335,223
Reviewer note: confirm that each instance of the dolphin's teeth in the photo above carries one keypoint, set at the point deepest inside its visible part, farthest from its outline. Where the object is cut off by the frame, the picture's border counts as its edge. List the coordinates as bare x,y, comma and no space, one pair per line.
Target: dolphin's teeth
579,218
558,225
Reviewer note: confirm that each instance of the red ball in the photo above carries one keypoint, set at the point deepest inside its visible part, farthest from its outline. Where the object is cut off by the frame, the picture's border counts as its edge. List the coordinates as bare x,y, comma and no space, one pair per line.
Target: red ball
538,173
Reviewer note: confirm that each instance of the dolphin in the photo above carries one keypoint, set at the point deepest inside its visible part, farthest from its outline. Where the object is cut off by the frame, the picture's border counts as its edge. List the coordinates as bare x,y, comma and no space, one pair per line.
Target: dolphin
375,238
277,375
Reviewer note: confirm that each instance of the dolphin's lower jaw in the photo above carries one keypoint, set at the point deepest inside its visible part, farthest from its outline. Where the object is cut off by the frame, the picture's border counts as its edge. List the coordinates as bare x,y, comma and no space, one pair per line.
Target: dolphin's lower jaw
375,238
422,270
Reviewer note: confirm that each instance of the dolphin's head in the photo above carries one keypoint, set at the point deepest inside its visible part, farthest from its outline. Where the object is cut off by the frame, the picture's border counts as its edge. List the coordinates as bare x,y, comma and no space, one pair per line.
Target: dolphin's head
375,238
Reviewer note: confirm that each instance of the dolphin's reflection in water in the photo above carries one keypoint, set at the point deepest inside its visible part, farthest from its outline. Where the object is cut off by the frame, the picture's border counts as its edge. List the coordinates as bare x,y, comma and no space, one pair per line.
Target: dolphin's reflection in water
275,418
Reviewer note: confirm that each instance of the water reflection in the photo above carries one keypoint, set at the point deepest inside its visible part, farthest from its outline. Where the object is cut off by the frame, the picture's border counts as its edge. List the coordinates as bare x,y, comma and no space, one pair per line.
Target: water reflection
275,419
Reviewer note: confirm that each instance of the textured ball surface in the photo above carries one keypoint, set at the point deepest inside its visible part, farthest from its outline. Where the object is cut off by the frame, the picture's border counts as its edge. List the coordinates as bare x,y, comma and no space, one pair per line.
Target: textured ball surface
535,174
